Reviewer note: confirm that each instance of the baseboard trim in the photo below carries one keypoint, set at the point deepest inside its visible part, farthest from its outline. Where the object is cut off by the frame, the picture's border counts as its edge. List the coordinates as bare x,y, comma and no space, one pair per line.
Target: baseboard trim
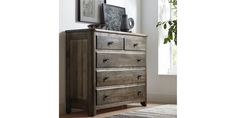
161,98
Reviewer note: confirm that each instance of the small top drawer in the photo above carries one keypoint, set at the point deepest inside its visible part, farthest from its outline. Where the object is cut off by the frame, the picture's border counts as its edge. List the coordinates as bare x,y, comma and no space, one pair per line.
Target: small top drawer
135,43
109,41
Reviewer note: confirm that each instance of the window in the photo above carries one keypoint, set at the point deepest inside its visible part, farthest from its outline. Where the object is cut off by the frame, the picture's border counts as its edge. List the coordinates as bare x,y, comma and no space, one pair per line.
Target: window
167,58
167,53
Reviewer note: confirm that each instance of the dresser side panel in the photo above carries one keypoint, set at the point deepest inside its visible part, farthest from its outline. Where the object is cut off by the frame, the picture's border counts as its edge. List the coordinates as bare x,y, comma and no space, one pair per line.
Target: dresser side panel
77,68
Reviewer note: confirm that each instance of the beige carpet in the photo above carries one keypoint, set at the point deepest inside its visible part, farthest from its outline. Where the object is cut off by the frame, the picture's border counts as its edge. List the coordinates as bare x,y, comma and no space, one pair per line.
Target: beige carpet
162,111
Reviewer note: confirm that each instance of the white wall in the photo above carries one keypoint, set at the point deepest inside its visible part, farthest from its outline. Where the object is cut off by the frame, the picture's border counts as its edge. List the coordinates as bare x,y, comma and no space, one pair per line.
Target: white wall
161,89
67,17
68,13
67,21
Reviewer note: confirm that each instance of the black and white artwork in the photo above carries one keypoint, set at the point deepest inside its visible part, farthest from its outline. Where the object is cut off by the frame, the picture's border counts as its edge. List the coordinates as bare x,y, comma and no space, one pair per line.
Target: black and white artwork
112,16
90,10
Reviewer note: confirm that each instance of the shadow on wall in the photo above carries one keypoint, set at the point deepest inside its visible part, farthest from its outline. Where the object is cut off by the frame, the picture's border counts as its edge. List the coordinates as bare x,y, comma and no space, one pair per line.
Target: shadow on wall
62,71
77,10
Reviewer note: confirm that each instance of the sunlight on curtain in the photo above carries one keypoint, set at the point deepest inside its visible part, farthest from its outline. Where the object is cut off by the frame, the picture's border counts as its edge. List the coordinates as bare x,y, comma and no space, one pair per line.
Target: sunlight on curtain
167,53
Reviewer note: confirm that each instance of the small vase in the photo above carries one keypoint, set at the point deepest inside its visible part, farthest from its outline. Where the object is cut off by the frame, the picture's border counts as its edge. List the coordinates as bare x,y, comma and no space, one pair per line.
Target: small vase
124,23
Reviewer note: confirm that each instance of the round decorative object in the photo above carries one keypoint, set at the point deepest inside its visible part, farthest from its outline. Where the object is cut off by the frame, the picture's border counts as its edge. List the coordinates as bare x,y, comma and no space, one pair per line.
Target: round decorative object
131,23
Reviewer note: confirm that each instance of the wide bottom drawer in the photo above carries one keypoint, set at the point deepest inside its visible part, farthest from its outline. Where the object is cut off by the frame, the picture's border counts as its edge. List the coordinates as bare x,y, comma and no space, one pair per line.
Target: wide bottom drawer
108,96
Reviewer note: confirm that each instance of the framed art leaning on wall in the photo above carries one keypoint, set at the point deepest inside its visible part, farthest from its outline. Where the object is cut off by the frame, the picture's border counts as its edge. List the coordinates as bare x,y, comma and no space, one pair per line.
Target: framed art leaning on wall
112,16
90,10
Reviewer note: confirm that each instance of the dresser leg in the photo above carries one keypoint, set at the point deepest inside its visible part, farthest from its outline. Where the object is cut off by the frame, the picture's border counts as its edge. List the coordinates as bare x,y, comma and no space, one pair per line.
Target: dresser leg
143,103
68,108
91,113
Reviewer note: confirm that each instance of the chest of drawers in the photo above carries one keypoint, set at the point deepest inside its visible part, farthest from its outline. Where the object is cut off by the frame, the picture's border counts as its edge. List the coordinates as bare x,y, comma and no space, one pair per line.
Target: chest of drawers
104,69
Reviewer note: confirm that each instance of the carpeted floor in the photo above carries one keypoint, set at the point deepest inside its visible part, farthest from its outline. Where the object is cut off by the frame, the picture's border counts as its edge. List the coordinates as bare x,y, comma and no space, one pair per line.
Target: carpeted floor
162,111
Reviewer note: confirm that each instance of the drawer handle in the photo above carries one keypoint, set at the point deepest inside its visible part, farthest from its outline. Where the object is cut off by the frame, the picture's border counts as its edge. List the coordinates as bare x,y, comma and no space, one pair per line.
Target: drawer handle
136,44
105,60
104,97
110,43
138,60
139,76
105,78
139,93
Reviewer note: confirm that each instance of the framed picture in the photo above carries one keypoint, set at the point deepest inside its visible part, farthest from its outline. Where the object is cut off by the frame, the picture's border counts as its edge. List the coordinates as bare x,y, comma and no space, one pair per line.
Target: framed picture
90,10
112,16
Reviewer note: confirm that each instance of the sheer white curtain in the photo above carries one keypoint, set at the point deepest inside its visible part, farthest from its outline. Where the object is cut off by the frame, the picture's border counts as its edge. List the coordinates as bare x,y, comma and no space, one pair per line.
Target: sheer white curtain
166,64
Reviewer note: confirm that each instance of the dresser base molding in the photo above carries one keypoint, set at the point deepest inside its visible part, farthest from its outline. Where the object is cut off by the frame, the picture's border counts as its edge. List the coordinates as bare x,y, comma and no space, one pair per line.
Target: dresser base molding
117,104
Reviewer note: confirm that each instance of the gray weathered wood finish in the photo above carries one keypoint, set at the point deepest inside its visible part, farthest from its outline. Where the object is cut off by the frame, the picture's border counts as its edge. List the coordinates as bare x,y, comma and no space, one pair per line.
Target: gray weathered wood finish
120,77
135,43
76,69
121,59
109,41
102,63
79,68
120,94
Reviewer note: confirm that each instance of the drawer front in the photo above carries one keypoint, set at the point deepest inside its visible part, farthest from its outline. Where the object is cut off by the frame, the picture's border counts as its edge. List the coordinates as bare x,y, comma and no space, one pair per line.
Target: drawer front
135,43
120,60
116,77
109,41
120,95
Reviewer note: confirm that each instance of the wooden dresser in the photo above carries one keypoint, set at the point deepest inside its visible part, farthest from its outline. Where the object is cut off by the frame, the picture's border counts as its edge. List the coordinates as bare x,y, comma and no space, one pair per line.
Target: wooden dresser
104,69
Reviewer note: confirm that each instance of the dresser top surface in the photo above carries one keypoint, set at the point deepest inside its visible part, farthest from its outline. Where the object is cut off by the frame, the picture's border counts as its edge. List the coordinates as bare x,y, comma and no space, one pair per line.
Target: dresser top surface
107,31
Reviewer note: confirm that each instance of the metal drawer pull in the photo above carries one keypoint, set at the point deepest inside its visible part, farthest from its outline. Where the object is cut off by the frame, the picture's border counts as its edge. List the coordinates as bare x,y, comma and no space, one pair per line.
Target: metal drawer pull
139,93
110,43
105,78
105,60
139,76
138,60
104,97
136,44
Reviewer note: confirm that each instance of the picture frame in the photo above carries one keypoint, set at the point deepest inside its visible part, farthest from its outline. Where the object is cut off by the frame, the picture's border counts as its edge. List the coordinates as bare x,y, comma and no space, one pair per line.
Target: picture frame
112,16
90,10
